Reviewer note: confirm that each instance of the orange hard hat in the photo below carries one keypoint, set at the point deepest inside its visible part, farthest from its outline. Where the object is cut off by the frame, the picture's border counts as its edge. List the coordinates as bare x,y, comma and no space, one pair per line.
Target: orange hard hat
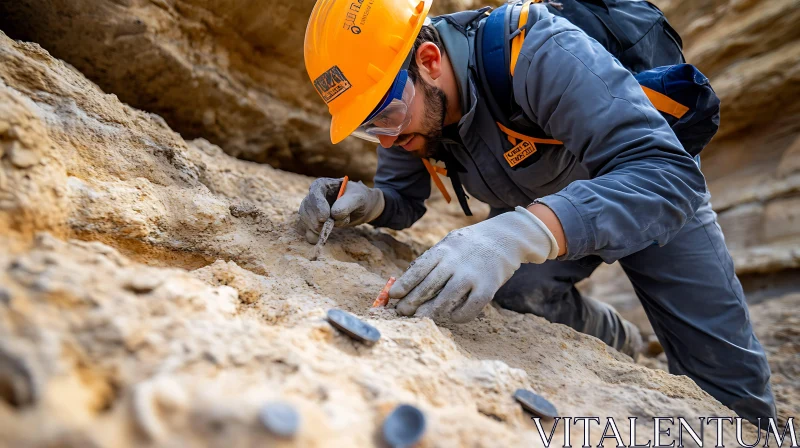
354,49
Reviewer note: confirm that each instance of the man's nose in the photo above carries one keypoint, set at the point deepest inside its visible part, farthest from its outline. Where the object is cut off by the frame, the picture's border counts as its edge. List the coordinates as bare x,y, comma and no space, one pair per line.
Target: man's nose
387,141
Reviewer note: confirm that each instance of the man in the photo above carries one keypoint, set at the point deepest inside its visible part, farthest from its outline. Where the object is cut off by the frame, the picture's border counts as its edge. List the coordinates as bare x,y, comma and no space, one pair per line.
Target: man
620,188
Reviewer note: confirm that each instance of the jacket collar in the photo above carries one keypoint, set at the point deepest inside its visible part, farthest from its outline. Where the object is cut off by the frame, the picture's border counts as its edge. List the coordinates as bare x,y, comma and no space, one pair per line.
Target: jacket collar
457,48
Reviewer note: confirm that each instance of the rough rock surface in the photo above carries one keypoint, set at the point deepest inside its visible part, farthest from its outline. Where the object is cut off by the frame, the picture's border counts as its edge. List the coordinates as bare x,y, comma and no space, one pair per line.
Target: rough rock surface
158,291
230,71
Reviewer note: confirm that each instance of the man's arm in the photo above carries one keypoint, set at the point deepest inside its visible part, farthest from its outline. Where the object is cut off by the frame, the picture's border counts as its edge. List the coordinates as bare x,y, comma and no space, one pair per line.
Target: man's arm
405,184
553,224
644,185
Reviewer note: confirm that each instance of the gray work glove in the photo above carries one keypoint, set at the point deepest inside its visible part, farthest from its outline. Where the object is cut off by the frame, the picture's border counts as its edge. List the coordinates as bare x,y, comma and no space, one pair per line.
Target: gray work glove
359,204
458,276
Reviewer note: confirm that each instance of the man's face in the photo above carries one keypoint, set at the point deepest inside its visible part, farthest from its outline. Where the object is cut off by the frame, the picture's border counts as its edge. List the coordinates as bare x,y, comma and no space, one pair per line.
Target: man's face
422,135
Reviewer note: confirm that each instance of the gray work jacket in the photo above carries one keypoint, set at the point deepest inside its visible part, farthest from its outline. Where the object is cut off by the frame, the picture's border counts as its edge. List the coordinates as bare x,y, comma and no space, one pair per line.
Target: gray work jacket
621,181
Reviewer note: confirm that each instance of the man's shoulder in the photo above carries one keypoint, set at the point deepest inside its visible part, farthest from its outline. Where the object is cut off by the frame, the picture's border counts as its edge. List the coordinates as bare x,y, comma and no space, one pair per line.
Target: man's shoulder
544,26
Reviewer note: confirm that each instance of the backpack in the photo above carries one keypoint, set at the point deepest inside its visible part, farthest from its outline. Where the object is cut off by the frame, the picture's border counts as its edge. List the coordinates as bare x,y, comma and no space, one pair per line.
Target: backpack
635,32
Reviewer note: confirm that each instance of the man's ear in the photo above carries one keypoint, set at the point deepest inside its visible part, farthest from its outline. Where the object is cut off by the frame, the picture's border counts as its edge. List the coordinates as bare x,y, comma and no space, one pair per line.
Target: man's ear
429,60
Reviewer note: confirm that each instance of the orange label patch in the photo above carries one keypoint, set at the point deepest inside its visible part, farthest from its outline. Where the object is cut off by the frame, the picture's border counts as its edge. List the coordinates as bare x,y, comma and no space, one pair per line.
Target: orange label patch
331,84
517,154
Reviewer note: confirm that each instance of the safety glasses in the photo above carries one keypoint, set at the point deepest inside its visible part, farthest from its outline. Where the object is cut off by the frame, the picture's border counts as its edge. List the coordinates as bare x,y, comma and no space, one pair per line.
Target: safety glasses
393,114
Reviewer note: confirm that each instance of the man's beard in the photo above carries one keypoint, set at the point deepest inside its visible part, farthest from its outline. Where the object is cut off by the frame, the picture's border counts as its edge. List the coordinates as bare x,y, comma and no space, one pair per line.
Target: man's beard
432,121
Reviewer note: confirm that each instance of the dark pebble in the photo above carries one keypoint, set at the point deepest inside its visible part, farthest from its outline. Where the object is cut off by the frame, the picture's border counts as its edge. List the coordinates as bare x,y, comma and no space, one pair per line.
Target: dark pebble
536,404
18,387
280,419
353,326
404,426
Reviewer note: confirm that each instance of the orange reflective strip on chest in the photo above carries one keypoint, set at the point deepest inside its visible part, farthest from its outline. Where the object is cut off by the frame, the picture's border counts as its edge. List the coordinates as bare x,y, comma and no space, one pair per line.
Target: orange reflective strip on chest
517,135
517,154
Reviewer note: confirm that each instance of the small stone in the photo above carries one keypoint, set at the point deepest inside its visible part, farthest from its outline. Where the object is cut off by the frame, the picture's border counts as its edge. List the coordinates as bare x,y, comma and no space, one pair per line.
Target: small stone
209,117
536,404
21,157
140,283
241,210
280,419
18,387
152,397
404,426
353,326
5,297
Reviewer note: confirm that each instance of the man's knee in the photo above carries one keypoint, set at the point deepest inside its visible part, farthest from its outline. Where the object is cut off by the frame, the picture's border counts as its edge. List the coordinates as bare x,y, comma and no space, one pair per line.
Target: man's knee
546,289
525,294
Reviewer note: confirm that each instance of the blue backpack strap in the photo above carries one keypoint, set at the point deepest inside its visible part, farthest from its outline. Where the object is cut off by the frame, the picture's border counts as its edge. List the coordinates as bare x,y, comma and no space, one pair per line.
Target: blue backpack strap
492,58
493,61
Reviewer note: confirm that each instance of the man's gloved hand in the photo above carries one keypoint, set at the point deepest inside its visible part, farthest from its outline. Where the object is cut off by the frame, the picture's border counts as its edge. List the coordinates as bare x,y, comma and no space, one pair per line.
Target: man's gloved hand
458,276
358,205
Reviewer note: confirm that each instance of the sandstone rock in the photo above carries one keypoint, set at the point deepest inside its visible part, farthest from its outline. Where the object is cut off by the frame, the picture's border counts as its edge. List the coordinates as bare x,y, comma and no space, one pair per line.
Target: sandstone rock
122,198
228,71
790,160
782,220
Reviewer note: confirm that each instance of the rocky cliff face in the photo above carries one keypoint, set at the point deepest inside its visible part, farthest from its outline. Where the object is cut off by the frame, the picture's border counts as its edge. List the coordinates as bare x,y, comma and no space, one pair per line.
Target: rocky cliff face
229,71
156,291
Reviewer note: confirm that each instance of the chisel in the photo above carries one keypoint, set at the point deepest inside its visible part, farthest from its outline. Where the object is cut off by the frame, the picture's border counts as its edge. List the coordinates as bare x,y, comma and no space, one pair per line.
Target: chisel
328,226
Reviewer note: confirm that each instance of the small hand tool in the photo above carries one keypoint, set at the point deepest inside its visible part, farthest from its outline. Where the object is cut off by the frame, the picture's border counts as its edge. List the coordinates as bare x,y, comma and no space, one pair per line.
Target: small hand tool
328,226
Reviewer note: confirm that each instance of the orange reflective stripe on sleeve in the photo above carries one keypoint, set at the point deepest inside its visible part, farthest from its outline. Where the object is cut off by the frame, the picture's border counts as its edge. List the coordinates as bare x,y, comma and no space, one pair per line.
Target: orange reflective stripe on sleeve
516,44
543,141
436,180
664,103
